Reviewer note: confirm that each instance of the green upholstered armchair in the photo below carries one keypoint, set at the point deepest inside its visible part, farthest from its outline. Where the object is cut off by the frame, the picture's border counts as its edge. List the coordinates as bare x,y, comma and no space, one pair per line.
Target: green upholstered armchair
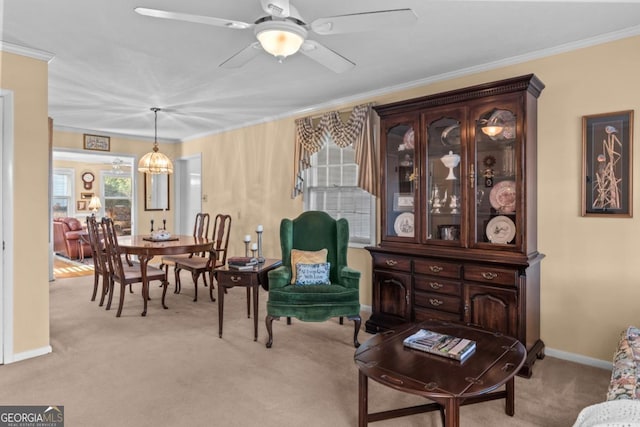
313,231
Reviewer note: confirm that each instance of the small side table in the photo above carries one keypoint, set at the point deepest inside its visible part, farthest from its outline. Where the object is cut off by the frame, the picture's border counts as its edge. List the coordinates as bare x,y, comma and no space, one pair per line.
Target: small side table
82,239
250,279
448,383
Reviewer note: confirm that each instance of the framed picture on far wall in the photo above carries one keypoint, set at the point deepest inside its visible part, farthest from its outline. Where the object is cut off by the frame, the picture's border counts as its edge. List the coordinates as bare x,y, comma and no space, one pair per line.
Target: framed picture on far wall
97,142
81,205
607,162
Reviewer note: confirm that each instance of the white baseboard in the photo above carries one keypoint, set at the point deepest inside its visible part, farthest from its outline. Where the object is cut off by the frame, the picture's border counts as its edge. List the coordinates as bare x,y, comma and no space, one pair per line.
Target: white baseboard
578,358
30,354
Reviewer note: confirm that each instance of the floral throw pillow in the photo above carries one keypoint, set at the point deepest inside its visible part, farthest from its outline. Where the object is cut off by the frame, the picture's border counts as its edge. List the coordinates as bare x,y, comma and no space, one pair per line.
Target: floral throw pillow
306,257
313,274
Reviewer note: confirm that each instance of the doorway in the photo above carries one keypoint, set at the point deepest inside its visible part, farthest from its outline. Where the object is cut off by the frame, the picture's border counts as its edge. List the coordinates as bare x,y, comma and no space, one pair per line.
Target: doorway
112,181
188,183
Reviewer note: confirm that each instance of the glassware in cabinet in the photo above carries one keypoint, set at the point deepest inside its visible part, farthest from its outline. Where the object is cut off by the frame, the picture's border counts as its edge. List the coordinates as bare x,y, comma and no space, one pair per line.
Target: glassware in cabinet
400,180
495,181
443,210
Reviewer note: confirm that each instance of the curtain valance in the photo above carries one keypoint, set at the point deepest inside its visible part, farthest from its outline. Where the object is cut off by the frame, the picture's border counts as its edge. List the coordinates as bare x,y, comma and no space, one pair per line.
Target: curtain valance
359,131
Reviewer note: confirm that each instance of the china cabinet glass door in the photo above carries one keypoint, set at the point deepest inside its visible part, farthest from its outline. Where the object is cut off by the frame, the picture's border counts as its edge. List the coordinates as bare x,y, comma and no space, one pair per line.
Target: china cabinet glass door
444,186
494,178
401,181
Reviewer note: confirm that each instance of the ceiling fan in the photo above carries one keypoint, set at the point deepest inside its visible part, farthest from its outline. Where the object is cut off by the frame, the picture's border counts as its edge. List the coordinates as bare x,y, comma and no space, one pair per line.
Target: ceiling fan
117,165
283,32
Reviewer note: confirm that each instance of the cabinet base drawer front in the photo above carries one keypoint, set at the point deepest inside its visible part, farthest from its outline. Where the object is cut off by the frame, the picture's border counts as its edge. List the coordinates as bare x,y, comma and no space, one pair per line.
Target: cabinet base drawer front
438,302
436,284
437,268
391,262
493,275
425,314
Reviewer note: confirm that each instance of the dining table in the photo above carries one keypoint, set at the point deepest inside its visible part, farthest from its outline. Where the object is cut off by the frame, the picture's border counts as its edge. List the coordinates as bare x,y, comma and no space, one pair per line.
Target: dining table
145,247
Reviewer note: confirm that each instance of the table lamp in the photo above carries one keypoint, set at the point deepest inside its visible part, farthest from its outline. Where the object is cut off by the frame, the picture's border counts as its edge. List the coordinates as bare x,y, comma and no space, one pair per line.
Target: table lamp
94,204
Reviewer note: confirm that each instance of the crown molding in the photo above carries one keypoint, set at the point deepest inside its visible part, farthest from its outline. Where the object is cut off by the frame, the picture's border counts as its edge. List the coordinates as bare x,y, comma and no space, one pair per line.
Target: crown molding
367,96
41,55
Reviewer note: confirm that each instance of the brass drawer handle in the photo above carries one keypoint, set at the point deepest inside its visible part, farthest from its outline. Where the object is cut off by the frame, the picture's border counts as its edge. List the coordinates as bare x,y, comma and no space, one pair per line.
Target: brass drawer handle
391,262
435,302
235,279
435,268
435,285
489,275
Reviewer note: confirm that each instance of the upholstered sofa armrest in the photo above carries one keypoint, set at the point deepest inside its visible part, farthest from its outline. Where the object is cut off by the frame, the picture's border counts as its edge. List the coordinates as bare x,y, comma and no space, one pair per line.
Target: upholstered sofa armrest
279,277
350,277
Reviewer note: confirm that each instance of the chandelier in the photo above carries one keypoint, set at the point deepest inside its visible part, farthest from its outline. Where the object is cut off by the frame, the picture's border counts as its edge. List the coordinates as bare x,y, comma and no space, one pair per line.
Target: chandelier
155,162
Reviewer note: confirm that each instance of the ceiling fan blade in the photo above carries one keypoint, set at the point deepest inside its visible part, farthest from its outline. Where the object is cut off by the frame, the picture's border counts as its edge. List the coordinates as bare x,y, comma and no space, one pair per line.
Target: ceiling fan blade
199,19
365,21
242,57
325,56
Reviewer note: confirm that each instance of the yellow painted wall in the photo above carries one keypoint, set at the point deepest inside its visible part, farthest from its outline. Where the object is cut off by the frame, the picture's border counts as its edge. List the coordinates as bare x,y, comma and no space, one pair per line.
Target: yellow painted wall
590,287
27,79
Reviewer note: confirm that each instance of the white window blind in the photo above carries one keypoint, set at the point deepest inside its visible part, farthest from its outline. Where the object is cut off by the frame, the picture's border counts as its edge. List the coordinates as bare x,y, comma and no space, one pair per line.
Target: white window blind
62,188
331,186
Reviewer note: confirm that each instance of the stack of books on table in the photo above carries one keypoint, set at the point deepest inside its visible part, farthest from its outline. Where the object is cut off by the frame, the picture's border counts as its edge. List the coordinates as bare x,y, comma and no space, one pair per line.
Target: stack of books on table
242,263
441,344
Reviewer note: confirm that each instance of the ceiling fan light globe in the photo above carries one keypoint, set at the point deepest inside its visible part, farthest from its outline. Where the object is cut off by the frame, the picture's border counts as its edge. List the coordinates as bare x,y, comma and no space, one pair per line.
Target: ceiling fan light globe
280,38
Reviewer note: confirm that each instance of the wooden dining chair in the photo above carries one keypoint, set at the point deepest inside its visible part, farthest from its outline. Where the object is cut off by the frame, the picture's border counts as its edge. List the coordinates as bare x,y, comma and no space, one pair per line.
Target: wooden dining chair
125,276
100,262
200,265
200,229
99,256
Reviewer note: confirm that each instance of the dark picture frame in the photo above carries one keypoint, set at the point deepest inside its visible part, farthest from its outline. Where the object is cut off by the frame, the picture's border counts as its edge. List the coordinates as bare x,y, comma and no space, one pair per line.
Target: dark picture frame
81,205
86,196
607,164
97,142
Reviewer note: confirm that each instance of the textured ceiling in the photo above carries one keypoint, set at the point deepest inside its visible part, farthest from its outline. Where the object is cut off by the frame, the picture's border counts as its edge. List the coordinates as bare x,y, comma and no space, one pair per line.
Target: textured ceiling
112,65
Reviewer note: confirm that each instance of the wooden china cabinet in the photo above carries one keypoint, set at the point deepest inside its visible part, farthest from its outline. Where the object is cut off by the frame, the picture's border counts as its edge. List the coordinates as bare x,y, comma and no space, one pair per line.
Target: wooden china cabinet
458,218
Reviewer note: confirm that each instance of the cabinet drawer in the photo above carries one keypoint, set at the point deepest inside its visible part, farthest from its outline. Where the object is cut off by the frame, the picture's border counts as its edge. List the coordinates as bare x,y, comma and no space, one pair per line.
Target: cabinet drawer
435,284
438,302
391,262
487,274
426,314
437,268
234,278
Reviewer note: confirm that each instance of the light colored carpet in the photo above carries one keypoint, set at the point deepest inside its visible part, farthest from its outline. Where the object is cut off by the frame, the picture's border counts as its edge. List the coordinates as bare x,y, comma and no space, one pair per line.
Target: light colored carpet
171,369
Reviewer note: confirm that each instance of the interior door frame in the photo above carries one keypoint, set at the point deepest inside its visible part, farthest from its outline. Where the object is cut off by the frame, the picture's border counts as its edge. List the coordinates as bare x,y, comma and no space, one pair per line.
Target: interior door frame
6,226
183,204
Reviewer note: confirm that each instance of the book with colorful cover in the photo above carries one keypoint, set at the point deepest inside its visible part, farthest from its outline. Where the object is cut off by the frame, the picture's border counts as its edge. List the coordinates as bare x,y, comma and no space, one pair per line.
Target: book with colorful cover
441,344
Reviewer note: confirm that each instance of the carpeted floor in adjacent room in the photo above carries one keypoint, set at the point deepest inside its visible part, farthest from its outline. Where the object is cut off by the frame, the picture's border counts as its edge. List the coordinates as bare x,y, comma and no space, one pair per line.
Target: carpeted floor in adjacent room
171,369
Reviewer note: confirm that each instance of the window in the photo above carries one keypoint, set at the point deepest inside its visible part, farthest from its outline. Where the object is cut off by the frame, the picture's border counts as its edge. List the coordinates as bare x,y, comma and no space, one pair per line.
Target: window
116,189
62,191
331,186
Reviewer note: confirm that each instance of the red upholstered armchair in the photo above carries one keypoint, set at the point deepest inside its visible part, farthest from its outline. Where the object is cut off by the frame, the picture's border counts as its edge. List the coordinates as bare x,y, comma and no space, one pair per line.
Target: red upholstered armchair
66,238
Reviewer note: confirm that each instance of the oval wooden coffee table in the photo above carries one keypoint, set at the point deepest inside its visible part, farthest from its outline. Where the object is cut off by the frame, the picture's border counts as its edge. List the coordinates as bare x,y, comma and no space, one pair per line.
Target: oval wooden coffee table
448,383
